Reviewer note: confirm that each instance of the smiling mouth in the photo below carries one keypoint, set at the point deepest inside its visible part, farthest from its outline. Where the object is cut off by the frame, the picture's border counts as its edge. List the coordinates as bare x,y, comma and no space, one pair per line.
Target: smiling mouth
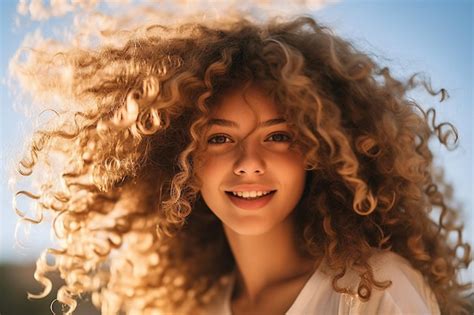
250,198
254,203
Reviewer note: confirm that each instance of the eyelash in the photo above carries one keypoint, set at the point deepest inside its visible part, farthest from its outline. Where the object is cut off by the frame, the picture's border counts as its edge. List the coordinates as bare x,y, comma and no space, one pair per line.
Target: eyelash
222,135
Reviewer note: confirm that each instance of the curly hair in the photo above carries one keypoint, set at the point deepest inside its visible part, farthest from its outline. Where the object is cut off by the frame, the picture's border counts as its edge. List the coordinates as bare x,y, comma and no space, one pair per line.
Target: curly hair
130,225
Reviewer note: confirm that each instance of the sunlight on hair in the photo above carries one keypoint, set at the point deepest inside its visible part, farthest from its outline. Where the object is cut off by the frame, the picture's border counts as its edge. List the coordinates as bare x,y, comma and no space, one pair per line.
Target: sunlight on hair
124,100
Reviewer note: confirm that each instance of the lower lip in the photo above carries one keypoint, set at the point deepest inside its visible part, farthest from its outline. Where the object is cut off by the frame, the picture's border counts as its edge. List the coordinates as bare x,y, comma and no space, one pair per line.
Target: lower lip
251,204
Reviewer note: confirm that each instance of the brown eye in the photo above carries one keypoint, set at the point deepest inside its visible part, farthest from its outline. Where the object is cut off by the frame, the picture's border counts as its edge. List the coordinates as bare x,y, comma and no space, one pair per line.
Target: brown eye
277,137
217,139
280,137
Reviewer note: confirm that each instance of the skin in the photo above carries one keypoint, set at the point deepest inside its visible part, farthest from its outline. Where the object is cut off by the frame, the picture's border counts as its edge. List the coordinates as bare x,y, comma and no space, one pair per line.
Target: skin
269,277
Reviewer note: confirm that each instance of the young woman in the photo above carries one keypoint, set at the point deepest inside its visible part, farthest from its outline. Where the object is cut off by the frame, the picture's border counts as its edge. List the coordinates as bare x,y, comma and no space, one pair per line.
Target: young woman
241,168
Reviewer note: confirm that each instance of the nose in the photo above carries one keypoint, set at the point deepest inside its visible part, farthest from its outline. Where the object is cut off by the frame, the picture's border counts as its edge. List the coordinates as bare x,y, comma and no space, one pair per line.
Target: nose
249,161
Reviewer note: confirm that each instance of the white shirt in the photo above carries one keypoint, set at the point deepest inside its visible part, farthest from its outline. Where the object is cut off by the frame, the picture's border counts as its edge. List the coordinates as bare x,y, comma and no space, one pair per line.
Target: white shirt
408,293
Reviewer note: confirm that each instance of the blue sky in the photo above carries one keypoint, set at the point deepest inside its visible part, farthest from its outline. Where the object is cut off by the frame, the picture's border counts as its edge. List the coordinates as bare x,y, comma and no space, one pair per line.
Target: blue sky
434,37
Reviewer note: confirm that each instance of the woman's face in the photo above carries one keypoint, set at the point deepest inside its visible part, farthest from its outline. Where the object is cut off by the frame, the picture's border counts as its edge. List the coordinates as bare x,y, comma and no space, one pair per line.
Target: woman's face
250,155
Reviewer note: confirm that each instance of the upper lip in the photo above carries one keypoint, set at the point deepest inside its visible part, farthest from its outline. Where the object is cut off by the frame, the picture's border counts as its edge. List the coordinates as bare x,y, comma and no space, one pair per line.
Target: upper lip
250,187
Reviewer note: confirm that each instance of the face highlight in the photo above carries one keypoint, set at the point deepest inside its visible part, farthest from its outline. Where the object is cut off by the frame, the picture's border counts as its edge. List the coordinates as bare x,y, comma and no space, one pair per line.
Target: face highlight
249,143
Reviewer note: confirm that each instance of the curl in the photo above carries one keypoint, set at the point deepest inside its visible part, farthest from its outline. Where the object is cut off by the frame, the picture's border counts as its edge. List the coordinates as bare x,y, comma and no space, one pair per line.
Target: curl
130,225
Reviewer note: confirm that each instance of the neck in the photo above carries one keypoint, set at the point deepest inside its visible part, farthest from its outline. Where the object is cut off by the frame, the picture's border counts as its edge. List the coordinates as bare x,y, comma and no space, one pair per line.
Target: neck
266,260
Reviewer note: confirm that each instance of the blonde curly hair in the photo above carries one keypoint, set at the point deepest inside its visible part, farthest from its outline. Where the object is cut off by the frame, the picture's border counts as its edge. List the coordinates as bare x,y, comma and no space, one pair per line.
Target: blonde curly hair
130,225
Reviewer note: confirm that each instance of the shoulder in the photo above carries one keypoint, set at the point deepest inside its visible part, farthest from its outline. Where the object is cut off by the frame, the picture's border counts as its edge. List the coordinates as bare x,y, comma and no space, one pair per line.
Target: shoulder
409,293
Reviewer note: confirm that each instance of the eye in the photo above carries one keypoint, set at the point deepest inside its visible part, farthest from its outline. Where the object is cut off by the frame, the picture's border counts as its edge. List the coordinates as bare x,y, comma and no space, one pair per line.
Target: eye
277,137
280,137
217,139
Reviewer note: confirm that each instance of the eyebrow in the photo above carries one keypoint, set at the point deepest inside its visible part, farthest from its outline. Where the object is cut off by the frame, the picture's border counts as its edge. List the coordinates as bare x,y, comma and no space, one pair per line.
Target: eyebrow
233,124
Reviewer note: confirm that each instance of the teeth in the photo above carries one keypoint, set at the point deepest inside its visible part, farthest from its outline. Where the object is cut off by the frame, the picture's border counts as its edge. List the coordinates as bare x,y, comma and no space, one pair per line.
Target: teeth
250,194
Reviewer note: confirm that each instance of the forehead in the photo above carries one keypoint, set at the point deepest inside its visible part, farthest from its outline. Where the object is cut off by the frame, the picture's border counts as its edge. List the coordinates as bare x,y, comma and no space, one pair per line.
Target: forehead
238,104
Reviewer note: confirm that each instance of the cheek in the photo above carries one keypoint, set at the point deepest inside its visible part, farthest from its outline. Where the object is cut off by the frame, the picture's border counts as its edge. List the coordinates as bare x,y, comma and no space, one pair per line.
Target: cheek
210,171
215,160
292,173
294,161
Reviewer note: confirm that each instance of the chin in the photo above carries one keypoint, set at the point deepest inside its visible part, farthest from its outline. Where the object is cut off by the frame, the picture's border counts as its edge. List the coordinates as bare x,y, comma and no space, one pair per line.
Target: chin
250,228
